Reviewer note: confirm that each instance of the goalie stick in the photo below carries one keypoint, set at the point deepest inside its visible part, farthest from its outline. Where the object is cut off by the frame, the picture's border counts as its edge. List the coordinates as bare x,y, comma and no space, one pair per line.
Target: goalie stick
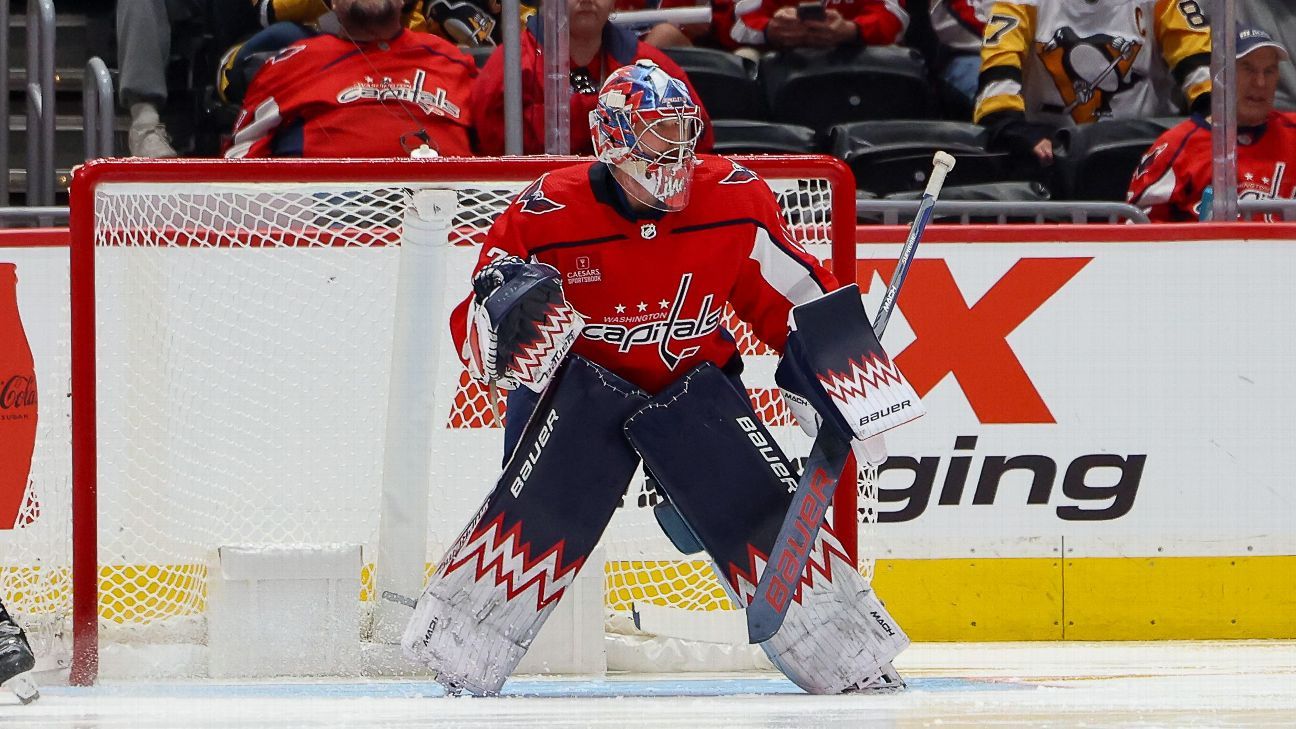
828,454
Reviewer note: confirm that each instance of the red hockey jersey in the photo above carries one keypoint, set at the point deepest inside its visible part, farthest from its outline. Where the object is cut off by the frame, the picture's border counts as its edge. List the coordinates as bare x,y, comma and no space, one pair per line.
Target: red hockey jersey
880,22
1168,183
653,289
330,97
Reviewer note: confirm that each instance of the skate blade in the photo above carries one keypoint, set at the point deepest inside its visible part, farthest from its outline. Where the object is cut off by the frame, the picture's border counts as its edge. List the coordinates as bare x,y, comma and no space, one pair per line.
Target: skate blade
24,687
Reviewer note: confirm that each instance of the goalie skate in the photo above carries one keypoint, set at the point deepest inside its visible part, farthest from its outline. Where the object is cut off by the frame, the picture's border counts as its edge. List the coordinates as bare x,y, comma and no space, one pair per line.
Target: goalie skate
16,660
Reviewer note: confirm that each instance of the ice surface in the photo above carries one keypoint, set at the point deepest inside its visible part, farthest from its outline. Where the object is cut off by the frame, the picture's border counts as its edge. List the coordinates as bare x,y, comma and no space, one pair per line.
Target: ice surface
1212,684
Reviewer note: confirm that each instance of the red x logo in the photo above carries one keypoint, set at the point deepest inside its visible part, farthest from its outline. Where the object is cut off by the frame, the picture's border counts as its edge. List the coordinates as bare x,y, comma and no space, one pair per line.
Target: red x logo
971,342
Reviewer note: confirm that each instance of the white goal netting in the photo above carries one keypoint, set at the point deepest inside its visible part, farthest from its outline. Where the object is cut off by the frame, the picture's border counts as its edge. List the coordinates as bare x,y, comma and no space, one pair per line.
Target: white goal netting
242,344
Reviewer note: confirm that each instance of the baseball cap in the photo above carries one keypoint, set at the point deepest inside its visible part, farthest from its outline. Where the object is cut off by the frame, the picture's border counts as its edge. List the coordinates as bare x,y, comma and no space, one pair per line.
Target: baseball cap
1249,39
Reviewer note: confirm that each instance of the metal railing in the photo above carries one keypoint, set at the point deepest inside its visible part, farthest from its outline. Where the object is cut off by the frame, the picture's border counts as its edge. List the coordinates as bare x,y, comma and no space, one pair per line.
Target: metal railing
33,217
97,107
40,102
1281,209
893,212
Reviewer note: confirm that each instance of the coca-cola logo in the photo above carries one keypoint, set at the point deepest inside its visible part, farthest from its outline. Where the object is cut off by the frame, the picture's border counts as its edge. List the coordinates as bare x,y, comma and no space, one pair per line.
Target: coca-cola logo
19,391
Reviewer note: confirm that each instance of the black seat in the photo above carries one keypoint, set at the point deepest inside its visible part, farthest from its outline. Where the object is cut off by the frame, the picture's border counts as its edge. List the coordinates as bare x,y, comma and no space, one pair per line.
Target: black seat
742,136
1096,161
726,82
896,156
822,88
986,192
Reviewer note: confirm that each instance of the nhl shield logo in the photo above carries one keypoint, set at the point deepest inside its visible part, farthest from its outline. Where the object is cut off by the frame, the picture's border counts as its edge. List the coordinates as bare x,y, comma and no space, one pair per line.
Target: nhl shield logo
648,231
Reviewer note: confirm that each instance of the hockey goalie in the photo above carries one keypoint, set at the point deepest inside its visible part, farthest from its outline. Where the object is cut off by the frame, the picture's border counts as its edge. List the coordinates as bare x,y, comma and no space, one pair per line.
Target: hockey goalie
597,304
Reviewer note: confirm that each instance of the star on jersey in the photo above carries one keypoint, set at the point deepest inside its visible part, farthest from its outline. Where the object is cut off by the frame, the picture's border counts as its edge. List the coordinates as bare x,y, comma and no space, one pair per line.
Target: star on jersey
620,308
642,306
663,304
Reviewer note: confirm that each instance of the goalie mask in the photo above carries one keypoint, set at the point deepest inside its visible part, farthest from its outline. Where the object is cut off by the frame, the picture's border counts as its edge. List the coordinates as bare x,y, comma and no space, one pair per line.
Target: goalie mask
647,126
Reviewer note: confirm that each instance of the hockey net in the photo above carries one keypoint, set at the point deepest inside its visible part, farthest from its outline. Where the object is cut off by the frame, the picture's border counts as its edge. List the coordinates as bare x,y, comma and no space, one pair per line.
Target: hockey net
232,325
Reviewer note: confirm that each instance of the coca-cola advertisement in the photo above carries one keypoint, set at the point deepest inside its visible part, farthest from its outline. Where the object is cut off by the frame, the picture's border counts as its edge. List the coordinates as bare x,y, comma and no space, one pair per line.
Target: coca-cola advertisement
17,404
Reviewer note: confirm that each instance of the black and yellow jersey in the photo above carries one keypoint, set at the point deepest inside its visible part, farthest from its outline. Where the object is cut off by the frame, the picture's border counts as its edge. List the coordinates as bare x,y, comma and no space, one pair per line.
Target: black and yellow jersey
1072,62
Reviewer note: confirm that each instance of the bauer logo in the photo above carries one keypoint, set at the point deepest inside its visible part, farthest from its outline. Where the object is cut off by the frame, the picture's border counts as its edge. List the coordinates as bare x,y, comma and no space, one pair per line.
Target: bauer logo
533,455
770,452
970,343
884,412
814,506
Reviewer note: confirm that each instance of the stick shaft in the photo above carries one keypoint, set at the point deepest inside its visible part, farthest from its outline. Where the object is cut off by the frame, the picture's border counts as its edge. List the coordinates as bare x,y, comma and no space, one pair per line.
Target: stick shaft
942,164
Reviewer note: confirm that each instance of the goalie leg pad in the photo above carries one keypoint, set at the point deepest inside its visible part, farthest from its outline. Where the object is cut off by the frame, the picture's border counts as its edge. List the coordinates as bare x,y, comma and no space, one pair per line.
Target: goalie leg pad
494,589
732,486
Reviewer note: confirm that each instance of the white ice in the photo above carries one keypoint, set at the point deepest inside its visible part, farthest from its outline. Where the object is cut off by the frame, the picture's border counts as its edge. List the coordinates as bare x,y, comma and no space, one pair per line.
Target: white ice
1214,684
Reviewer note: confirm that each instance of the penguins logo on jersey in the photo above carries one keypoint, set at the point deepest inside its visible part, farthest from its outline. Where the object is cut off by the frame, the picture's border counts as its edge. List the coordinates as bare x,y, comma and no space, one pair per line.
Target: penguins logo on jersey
533,199
1089,71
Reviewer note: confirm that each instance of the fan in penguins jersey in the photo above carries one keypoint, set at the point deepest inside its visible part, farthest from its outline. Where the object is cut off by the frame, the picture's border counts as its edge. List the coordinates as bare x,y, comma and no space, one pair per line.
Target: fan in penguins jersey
597,301
1051,64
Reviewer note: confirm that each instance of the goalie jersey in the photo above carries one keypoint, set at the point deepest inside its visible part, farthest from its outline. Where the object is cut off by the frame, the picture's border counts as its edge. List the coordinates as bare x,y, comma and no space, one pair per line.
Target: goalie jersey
1072,62
653,289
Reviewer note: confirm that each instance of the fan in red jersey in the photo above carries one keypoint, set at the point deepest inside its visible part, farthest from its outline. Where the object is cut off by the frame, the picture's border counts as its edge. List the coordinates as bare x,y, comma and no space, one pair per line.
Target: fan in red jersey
1174,173
598,298
819,24
374,90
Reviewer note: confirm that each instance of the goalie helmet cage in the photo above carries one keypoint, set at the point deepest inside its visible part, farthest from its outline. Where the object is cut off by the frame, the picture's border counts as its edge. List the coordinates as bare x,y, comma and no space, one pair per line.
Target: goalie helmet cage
293,263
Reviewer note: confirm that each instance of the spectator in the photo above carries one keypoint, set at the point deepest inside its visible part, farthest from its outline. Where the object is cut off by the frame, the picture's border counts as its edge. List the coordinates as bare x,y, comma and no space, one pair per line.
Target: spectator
959,26
143,48
1048,64
374,89
596,49
287,21
826,24
1280,16
1170,180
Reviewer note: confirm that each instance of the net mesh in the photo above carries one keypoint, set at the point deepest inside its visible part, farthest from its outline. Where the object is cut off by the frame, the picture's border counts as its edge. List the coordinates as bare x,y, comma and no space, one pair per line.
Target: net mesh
243,342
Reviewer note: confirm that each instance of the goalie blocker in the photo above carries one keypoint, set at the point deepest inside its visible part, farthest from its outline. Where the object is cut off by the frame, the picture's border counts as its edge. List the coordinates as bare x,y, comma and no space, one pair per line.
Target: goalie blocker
733,486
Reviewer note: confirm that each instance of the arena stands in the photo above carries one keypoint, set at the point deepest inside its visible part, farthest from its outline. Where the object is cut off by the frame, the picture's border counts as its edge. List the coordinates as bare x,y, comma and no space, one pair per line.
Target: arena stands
882,109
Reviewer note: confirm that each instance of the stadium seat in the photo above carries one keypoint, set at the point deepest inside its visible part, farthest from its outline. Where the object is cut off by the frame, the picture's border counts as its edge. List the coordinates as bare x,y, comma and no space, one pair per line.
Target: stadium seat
742,136
1096,161
896,156
820,89
986,192
726,82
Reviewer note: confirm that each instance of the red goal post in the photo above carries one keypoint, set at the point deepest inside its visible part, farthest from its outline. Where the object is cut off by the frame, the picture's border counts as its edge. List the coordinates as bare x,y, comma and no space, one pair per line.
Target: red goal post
327,224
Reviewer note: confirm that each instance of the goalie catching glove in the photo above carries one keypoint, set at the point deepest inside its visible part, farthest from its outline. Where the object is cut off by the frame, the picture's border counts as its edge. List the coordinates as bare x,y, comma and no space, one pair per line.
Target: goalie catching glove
521,326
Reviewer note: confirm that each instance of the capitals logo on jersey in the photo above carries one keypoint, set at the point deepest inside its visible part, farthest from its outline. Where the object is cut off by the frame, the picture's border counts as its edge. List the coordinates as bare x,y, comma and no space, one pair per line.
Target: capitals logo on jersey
738,175
533,199
1089,71
665,333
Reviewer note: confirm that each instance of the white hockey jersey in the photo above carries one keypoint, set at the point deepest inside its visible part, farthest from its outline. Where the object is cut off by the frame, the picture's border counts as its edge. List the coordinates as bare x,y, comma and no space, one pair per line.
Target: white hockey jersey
1071,62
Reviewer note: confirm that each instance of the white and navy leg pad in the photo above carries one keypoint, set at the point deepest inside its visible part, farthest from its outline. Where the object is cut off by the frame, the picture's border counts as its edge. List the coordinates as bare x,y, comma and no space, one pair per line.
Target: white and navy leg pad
494,589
